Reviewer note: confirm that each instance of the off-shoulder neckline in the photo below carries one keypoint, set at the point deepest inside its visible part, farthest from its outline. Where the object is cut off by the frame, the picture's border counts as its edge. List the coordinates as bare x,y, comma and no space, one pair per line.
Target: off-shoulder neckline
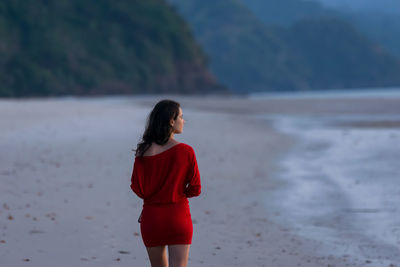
163,152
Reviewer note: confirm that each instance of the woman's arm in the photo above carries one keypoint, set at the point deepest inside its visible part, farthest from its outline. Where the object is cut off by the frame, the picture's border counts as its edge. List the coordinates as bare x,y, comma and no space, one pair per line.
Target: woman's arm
135,183
193,187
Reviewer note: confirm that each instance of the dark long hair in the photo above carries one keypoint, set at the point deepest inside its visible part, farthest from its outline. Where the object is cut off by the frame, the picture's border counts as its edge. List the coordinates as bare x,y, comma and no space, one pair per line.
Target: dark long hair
158,127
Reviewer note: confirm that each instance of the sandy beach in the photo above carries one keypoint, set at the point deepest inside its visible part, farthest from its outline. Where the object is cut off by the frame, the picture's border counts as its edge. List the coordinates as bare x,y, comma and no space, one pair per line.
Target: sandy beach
65,166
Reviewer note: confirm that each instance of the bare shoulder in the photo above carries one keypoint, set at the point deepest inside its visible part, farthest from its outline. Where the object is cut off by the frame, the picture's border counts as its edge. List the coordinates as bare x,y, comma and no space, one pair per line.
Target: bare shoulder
155,148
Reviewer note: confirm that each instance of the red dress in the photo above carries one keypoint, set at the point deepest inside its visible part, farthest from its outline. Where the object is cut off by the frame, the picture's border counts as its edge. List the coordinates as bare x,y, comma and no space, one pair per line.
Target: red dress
164,181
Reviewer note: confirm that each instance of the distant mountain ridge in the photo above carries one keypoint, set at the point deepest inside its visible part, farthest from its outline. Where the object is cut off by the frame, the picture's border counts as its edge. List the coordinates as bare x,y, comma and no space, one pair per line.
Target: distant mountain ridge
382,28
73,47
249,55
239,46
379,20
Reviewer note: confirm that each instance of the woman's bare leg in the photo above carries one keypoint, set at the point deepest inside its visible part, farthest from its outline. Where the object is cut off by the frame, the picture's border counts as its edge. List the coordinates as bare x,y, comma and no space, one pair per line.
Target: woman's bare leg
158,256
178,255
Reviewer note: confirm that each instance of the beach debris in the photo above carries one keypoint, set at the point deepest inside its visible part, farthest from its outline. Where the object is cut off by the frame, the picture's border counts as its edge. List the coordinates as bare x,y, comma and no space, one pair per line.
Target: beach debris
2,241
90,185
123,252
34,231
51,215
5,173
26,259
207,212
217,247
117,259
89,217
84,259
10,217
362,210
136,234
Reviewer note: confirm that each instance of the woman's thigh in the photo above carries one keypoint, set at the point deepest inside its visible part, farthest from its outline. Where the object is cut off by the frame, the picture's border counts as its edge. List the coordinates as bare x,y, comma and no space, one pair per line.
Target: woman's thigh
178,255
158,256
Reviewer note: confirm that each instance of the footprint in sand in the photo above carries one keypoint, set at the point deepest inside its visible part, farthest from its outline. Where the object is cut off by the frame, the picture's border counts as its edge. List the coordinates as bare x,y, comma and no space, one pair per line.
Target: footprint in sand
51,215
34,231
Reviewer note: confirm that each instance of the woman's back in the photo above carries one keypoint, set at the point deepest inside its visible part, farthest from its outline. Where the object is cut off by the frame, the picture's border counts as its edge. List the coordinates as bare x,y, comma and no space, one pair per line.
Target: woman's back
170,176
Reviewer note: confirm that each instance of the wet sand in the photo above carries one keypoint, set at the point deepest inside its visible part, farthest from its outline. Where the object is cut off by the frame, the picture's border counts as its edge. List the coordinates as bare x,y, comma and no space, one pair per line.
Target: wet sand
65,167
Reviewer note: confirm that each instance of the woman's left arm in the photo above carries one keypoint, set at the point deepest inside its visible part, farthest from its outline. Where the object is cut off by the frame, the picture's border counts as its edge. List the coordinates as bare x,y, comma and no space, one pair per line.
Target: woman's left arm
193,188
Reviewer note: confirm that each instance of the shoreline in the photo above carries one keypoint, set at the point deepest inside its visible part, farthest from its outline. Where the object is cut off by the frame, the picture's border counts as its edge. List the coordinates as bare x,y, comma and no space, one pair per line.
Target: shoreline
334,191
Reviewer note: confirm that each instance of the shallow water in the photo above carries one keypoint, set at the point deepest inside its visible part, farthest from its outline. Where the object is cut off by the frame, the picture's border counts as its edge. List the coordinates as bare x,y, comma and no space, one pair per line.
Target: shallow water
342,183
392,92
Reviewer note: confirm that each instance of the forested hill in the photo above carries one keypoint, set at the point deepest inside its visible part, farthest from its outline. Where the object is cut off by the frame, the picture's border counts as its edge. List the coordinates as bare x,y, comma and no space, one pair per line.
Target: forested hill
74,47
379,20
250,55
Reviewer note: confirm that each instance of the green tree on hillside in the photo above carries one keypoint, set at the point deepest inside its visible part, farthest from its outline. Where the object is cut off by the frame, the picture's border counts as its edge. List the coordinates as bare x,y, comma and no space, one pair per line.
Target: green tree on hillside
58,47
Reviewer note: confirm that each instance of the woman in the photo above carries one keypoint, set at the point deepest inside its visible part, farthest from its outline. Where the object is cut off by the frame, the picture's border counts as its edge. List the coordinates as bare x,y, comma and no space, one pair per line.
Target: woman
165,174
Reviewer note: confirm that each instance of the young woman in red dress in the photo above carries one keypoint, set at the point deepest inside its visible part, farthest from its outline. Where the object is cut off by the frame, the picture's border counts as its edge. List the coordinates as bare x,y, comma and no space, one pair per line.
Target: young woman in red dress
165,174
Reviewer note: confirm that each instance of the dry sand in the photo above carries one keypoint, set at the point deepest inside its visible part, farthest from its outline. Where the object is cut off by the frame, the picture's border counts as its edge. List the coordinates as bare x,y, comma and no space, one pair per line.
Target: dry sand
65,167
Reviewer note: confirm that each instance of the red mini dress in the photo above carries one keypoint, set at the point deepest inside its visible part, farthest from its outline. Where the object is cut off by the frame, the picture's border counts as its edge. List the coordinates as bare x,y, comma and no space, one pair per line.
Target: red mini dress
165,181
